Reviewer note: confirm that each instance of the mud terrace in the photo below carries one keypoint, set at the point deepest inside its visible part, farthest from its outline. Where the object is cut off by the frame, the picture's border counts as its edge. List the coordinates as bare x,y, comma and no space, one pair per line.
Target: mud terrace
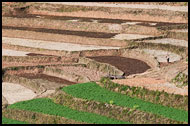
15,92
161,55
92,75
54,54
8,52
52,45
176,42
134,6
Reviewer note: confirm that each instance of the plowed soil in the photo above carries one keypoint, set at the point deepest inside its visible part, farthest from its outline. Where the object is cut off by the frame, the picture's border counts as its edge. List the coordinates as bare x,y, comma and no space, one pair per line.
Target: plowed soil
88,19
127,65
65,32
36,54
46,77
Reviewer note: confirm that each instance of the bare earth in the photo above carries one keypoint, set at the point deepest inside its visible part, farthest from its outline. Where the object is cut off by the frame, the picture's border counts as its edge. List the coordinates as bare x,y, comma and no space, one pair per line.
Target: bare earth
137,6
93,75
9,52
161,55
177,42
130,36
153,84
15,92
52,45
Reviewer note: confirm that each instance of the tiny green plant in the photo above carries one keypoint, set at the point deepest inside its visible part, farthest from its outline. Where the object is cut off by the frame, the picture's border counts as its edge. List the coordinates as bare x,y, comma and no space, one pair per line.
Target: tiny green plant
136,106
111,102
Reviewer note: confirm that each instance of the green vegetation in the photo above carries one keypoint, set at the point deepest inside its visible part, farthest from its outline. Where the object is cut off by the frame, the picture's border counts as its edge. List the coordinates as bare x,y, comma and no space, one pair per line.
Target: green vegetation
157,97
181,80
186,3
11,121
47,106
92,91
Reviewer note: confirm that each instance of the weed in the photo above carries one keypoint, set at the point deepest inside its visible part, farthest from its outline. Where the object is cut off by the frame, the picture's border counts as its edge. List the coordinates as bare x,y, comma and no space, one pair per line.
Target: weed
111,102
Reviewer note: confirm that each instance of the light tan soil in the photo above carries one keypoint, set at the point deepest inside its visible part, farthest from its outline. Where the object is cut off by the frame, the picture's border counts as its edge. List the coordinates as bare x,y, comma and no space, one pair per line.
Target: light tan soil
15,92
161,56
8,52
130,36
62,38
126,5
170,41
101,14
126,27
151,3
52,45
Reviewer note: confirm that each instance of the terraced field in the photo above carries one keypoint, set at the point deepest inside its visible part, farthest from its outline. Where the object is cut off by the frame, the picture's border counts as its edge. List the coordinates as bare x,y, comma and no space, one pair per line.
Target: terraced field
94,63
11,121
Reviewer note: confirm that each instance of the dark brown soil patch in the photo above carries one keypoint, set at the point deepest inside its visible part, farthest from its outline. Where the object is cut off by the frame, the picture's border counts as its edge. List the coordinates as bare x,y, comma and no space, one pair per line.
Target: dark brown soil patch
100,20
127,65
36,54
46,77
66,32
159,24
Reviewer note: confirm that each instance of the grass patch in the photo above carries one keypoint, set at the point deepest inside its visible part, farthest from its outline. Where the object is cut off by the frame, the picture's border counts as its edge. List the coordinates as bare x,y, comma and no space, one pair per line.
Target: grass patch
92,91
181,80
11,121
47,106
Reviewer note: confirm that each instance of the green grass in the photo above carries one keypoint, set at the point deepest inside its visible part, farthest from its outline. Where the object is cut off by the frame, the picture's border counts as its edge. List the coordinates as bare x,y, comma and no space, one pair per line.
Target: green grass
92,91
47,106
11,121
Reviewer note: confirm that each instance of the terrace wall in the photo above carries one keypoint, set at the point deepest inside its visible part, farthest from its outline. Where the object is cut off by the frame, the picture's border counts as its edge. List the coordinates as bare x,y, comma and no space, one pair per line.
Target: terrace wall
36,117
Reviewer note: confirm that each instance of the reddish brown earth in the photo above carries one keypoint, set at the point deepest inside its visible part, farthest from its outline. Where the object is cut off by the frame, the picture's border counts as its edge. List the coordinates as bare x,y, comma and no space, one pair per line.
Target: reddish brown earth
100,14
127,65
66,32
45,77
88,19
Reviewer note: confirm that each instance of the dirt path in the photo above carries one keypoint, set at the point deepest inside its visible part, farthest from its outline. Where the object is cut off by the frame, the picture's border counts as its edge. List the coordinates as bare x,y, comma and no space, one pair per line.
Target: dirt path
125,5
127,65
